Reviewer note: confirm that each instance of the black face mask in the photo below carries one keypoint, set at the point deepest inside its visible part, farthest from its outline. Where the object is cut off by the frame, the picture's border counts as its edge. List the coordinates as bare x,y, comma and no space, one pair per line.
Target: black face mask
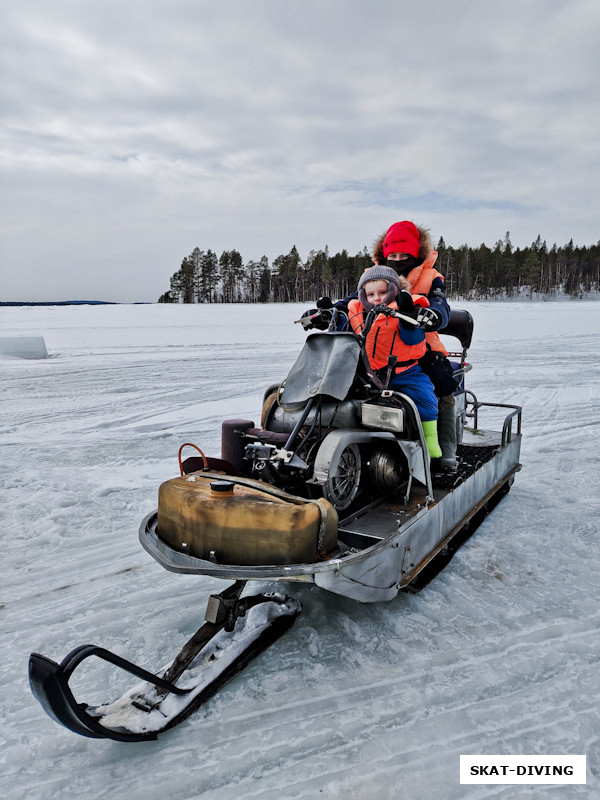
402,267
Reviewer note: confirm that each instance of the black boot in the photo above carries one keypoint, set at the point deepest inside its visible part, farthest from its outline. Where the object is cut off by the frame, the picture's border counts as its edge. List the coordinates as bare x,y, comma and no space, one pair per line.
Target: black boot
447,439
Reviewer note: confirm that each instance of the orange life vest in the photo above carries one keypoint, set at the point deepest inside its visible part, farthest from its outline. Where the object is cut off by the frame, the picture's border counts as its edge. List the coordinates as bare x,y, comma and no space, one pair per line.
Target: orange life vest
384,340
420,280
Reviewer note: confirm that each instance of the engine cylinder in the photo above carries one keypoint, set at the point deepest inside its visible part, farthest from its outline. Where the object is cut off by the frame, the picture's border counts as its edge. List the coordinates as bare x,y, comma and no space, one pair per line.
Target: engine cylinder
330,414
387,468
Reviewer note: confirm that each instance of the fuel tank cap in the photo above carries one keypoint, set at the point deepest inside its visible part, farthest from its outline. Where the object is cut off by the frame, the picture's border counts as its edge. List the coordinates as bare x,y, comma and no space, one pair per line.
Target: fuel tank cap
222,486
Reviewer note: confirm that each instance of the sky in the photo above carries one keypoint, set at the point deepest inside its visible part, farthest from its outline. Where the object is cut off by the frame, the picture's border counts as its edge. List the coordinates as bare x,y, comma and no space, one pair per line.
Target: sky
134,132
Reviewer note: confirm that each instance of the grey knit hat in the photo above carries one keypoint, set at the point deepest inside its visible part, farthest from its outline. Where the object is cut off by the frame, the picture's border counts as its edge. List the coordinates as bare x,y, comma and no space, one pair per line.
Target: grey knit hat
379,273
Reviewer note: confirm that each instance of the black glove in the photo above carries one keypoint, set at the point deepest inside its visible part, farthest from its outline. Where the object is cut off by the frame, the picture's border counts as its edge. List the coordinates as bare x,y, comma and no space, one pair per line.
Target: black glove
324,302
314,318
405,303
428,319
407,307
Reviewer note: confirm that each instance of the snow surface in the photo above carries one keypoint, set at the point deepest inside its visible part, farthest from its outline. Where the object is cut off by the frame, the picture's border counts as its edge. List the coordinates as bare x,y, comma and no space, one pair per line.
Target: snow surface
500,654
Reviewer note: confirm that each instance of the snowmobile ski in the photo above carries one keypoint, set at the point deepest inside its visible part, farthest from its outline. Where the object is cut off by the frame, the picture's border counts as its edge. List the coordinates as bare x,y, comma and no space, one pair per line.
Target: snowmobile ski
235,633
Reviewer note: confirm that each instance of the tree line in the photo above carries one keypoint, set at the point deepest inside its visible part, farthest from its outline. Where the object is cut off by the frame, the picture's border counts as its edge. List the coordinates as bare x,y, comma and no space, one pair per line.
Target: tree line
470,273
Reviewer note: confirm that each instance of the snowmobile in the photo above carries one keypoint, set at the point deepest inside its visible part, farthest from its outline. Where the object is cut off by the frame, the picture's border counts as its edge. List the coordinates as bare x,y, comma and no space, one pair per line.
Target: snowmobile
334,488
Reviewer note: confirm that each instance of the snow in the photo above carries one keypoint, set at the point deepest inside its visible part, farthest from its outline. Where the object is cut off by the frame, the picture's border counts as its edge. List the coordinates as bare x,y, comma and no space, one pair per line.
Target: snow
500,654
23,346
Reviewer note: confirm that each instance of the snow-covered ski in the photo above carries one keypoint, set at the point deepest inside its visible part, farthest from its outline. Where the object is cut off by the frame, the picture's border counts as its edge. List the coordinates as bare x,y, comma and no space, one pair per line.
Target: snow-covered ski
220,649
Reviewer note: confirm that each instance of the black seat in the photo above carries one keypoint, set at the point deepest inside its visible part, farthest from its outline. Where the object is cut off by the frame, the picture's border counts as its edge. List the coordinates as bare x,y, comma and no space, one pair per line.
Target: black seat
460,325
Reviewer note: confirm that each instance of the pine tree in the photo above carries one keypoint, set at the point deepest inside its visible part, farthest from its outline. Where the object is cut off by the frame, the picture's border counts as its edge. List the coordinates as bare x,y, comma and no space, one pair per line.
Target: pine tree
265,290
182,282
251,281
209,271
287,276
315,270
195,258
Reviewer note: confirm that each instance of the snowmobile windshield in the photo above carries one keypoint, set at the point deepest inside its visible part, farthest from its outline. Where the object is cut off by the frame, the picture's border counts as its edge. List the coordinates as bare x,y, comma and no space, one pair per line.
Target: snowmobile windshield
326,365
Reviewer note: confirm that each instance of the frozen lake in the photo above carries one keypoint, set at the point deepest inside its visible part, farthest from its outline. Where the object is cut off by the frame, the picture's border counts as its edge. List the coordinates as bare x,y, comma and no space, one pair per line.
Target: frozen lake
500,654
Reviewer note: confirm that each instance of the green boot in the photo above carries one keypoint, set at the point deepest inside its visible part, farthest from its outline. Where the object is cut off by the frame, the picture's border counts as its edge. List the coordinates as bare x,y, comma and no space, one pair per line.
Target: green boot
431,438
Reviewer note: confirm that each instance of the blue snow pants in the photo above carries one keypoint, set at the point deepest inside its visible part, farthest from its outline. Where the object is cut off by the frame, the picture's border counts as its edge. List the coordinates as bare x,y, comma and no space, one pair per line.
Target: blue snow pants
414,383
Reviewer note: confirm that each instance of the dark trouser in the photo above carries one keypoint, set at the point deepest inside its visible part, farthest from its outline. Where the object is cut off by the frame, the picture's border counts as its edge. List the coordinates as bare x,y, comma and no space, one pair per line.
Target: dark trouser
440,371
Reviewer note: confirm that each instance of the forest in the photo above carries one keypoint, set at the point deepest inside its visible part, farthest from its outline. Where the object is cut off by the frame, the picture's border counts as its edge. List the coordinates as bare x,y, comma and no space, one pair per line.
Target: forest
481,273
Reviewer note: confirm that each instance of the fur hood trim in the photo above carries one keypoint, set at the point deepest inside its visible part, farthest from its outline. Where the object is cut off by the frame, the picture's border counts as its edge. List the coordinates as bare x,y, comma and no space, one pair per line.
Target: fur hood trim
425,246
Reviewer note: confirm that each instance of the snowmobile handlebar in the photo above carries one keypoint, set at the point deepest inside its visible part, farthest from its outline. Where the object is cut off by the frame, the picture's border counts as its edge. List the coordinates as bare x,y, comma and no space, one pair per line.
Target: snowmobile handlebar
329,319
322,318
308,319
392,312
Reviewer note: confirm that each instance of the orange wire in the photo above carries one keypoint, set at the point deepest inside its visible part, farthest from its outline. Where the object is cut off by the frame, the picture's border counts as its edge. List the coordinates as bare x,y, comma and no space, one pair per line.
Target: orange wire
189,444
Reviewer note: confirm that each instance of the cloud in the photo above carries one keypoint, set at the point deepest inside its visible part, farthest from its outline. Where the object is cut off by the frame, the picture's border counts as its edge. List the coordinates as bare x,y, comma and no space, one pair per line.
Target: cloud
134,132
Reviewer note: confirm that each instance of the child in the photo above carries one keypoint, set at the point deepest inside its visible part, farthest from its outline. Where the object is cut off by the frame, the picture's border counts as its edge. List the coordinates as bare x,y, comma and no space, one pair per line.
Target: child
388,336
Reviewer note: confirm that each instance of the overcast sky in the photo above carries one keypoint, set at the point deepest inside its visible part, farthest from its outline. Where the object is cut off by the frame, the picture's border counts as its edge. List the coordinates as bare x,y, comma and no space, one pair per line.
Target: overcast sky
135,131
